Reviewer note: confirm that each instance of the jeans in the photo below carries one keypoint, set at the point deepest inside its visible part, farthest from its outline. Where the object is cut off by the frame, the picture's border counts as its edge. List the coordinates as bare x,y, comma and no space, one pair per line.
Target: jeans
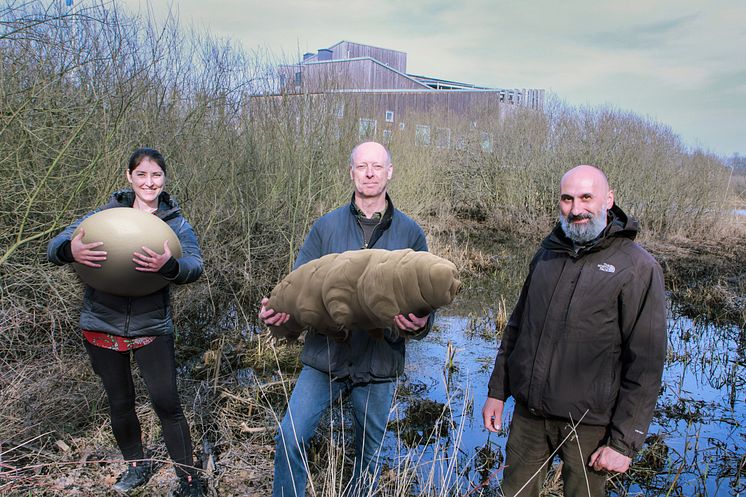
313,393
532,440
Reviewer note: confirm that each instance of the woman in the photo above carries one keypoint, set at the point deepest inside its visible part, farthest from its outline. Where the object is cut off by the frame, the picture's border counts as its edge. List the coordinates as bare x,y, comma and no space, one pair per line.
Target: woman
114,326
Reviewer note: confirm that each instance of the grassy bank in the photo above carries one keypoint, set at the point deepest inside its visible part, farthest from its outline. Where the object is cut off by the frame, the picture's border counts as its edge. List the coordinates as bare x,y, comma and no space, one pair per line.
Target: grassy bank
79,90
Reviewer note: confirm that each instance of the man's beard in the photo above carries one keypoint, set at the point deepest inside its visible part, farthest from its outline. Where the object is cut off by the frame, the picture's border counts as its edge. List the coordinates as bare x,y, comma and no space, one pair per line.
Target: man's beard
583,232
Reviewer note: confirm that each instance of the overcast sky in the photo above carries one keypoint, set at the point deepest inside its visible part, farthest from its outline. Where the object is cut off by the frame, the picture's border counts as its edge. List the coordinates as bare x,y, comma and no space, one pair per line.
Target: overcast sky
681,62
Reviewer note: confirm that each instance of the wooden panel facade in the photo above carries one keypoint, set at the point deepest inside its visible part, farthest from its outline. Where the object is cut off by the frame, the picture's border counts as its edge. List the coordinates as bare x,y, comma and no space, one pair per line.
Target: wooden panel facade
348,50
367,87
365,74
357,67
391,108
392,58
443,119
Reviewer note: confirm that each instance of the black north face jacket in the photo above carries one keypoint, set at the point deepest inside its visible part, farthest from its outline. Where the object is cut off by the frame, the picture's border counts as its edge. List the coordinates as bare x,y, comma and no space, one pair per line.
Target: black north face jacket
587,338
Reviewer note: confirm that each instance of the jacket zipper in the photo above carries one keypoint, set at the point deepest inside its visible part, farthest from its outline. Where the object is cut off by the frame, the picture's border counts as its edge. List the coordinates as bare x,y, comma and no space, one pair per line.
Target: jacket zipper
127,318
362,231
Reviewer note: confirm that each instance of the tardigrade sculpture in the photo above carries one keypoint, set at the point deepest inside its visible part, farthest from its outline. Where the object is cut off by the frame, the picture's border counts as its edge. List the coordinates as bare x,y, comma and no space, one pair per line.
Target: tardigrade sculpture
362,290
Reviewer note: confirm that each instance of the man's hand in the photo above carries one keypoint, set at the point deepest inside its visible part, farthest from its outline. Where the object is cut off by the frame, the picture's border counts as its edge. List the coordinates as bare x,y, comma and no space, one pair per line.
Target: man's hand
606,458
83,253
492,412
270,317
150,261
410,322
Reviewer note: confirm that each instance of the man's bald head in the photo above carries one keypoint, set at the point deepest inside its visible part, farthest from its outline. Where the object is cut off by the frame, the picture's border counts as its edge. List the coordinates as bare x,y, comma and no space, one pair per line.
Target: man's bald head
370,170
370,148
587,172
585,198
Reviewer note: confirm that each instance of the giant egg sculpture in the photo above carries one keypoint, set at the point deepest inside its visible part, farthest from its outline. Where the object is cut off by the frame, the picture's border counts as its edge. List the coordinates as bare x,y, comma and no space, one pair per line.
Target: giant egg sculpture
124,231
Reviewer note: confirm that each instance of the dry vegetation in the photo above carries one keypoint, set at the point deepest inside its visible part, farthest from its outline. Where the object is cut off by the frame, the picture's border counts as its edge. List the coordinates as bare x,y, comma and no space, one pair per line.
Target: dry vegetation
79,90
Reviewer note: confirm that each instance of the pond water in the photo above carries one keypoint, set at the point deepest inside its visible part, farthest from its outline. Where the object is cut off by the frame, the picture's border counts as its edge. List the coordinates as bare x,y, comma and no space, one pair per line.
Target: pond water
696,443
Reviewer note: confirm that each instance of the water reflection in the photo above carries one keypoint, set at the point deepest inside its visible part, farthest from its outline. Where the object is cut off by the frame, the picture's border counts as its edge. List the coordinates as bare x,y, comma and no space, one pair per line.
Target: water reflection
696,444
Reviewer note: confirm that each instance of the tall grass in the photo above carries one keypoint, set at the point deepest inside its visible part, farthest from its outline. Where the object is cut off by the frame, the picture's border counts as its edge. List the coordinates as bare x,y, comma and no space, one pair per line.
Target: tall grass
81,88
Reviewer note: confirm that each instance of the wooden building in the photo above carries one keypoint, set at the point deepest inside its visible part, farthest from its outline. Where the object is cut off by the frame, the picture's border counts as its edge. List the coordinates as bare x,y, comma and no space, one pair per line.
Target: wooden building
372,84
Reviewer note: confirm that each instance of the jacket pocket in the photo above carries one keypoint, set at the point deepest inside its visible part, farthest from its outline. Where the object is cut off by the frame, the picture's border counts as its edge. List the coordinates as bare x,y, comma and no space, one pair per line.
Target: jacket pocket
103,312
150,315
579,380
386,358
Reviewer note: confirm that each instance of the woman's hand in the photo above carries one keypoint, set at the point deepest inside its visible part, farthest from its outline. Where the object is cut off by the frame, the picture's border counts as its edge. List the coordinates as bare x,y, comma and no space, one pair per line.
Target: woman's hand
83,253
150,261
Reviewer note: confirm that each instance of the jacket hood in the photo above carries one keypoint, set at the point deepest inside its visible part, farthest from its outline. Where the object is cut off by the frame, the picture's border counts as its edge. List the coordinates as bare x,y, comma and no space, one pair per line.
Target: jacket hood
620,225
168,208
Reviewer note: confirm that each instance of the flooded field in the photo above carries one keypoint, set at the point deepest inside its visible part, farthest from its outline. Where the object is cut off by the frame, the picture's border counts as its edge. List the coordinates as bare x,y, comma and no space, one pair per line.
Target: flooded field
696,444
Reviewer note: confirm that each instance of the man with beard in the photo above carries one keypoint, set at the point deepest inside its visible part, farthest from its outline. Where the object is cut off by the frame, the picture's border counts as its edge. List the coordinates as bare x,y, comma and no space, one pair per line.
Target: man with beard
583,351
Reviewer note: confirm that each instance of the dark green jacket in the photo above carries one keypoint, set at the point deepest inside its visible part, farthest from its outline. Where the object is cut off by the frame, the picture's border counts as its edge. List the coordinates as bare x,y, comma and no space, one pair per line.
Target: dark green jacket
588,334
149,315
361,357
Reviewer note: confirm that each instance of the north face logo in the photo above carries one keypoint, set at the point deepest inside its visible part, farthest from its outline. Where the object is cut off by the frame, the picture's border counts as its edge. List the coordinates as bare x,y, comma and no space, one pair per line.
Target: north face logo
608,268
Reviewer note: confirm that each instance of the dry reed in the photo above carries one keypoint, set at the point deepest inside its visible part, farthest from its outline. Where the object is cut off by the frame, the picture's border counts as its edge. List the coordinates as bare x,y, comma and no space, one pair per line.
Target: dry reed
80,88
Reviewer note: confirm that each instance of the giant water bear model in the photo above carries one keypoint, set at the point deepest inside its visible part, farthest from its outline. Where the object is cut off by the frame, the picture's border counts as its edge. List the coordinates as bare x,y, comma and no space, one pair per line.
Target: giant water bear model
124,231
362,290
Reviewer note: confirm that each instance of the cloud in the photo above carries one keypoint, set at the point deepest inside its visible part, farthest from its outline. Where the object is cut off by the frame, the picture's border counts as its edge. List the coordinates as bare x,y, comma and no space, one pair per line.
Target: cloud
651,35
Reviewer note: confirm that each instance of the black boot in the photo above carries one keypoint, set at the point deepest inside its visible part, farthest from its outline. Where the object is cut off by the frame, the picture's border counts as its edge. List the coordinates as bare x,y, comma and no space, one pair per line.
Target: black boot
190,486
135,475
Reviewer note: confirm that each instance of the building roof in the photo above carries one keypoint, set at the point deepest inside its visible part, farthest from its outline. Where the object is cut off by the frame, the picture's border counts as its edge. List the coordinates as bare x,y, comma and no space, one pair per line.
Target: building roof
393,63
444,84
375,61
426,81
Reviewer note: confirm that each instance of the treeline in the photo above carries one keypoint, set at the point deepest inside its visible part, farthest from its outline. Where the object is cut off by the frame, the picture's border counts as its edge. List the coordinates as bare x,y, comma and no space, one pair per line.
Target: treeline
81,88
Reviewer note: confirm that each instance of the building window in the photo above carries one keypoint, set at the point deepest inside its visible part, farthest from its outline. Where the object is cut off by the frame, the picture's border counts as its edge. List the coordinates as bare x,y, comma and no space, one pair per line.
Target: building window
460,142
422,135
298,78
386,136
443,138
367,128
340,110
402,126
389,116
486,142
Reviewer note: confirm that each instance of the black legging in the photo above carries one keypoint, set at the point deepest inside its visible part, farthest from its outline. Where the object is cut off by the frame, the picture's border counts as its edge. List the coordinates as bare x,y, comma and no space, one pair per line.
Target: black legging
157,366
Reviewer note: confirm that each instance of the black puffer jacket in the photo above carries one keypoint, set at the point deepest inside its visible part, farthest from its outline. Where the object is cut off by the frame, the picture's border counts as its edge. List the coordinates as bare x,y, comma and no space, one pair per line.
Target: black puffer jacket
149,315
588,334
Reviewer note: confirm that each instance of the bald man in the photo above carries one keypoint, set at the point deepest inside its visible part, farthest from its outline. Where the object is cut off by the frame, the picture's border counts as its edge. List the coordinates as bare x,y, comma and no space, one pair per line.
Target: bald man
362,367
583,351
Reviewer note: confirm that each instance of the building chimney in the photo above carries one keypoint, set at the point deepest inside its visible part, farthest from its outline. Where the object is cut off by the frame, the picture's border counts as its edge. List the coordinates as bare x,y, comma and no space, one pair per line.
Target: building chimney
325,54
